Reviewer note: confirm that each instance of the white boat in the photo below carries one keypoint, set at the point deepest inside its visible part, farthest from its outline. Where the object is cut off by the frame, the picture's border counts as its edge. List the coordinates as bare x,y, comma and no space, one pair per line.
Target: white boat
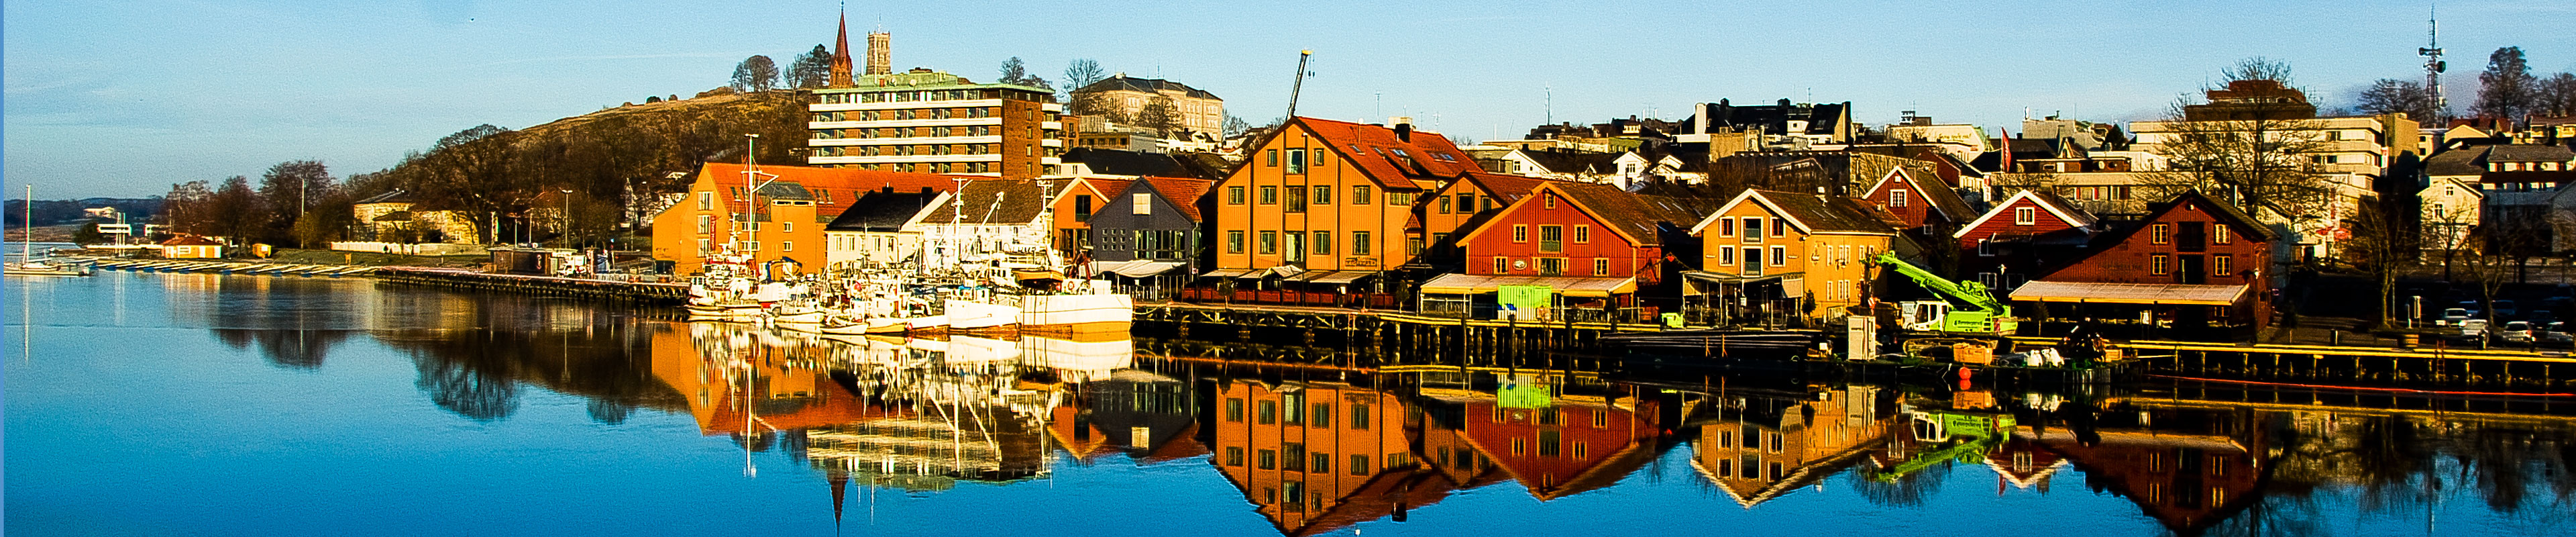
791,316
27,264
1077,313
925,323
974,315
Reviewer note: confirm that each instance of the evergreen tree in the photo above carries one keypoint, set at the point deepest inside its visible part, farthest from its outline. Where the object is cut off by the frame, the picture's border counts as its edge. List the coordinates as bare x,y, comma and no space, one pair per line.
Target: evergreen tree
811,70
2505,88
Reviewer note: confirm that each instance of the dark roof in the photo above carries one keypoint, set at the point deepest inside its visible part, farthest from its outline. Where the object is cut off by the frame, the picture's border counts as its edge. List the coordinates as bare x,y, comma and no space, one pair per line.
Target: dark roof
785,190
2469,160
1392,159
392,196
992,201
1943,197
2050,197
1821,118
1572,161
2244,224
2529,153
881,211
1637,216
1149,85
1209,166
1822,213
190,240
1511,188
1123,162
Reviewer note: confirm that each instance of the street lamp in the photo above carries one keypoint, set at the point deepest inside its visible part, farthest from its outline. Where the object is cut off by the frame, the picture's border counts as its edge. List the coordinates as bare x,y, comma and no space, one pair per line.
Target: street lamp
567,216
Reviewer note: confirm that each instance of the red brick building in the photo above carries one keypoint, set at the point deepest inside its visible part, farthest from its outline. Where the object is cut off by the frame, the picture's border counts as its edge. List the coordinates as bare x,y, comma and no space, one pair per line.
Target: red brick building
2194,262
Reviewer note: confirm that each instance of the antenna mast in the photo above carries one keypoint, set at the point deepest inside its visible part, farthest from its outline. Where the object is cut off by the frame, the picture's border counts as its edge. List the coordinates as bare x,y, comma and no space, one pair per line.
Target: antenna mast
2433,64
1300,86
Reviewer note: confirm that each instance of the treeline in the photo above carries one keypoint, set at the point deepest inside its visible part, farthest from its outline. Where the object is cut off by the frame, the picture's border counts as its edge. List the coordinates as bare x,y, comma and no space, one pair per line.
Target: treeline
500,176
53,212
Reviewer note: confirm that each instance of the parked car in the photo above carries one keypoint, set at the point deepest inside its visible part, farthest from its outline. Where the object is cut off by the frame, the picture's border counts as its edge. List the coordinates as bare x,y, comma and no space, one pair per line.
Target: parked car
2504,308
2455,315
2556,333
2473,330
2541,317
2515,332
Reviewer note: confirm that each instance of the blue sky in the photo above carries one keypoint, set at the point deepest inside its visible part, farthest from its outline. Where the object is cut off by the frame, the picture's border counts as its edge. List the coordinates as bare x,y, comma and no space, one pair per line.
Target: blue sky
125,98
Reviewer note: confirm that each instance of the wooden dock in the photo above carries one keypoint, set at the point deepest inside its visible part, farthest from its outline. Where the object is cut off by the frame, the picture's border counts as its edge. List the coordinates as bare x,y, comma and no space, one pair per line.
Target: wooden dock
640,292
230,267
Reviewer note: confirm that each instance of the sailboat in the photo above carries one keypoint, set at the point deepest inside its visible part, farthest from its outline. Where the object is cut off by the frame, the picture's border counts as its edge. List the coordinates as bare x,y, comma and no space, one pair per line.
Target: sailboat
28,264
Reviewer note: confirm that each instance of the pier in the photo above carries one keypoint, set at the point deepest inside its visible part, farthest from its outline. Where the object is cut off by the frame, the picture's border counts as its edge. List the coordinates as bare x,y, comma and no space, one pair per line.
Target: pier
639,292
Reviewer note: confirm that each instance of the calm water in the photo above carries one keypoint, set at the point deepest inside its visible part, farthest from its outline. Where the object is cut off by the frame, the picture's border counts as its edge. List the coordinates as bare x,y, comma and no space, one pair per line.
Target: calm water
153,404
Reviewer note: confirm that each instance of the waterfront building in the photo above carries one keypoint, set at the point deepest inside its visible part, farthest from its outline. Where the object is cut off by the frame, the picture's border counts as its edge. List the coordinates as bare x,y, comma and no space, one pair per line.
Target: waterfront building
1595,249
796,205
1075,200
2350,154
1806,255
1454,206
397,216
2450,209
2194,263
187,246
2032,232
1331,197
988,219
1767,447
880,229
1555,444
1147,237
926,121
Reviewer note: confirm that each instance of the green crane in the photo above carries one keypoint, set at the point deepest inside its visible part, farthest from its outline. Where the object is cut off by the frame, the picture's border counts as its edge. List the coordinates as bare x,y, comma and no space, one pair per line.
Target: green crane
1988,316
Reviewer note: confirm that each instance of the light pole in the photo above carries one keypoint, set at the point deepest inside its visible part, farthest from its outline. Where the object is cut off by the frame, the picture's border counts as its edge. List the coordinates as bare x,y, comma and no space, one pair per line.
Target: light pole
567,217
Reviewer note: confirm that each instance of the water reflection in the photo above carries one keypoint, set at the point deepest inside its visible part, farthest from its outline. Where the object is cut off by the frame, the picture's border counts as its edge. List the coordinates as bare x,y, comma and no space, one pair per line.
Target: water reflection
1319,449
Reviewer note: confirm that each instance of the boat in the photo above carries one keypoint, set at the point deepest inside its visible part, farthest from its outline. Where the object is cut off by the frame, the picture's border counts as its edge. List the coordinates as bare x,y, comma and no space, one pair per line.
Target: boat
973,315
27,264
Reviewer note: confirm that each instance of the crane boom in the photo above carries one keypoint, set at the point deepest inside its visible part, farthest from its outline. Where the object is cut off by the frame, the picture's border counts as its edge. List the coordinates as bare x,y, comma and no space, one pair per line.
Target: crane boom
1988,315
1968,293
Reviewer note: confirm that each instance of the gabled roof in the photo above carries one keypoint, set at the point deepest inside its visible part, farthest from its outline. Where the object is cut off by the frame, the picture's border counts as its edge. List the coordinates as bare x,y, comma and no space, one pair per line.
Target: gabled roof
1382,155
2529,153
1511,188
1943,198
1182,192
2059,206
1572,161
2463,161
1122,162
883,211
992,201
1812,213
1096,187
1632,216
2246,225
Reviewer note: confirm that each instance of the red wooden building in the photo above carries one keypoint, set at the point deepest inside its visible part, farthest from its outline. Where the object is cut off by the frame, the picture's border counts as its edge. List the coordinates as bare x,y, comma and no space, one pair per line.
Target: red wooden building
2030,233
1920,203
1593,244
2194,263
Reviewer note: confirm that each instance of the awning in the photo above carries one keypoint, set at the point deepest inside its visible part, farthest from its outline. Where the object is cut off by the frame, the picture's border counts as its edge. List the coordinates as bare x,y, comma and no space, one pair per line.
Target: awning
1141,269
2129,293
1339,277
1464,284
1281,271
1029,275
1225,273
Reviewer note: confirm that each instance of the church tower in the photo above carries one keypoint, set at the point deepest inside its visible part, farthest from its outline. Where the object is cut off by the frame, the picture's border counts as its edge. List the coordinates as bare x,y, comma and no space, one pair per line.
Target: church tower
879,43
840,77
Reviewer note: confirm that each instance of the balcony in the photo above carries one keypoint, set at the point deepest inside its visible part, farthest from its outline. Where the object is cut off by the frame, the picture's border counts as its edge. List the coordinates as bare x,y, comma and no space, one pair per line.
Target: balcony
950,122
892,159
918,140
1049,142
963,103
1051,125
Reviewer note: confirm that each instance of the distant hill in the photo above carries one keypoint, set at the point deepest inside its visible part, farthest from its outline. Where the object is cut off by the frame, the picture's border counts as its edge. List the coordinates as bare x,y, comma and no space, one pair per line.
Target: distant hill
52,212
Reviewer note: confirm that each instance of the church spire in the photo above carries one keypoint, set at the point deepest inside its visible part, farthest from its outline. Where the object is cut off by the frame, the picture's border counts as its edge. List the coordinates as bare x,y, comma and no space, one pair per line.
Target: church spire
840,76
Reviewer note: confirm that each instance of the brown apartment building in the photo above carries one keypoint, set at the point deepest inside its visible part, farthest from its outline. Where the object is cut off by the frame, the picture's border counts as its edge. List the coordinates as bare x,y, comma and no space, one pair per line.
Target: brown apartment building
931,122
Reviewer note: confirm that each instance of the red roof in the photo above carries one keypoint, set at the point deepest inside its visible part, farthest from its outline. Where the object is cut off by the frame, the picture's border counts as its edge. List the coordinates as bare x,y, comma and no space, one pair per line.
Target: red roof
1387,157
1183,192
832,188
190,240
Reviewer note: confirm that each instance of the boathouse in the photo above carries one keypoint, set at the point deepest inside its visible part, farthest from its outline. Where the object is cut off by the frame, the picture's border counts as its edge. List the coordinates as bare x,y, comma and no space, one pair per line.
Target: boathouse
2195,267
1582,252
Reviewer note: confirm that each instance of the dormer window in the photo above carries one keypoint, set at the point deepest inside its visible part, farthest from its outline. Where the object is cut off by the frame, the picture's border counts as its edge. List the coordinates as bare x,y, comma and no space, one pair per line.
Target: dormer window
2025,216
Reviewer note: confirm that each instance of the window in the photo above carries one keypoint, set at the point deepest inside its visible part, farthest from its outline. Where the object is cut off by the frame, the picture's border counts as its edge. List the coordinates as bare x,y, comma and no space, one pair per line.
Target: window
1551,238
1896,199
1551,266
787,246
1413,245
1359,419
1323,243
706,224
1233,195
1234,242
1444,205
1779,256
2160,234
1359,465
2221,234
1601,266
1779,227
704,246
1985,247
1323,195
1520,233
1502,265
2025,216
1582,234
1726,227
1466,203
1292,457
1082,207
1551,202
1296,161
1144,204
1359,194
2222,265
1726,256
1359,243
1270,158
1548,442
1265,413
1267,460
2159,264
1322,415
1234,409
1752,229
1269,242
1600,420
1269,195
706,201
1234,456
1296,199
1399,198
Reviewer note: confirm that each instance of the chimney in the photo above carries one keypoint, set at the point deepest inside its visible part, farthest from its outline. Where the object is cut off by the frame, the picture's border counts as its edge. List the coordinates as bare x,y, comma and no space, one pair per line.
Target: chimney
1403,128
880,58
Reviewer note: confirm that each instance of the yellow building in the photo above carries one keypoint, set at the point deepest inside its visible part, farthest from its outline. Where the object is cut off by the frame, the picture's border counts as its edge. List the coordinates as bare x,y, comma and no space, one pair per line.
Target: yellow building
1807,253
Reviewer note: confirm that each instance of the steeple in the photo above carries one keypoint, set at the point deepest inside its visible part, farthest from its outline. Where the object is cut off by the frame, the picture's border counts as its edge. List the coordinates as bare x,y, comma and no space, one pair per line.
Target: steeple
840,77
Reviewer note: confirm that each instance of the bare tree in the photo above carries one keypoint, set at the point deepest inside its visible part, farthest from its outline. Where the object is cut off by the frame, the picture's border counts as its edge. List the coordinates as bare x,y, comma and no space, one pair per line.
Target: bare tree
810,70
2505,89
756,73
1082,73
2253,148
1161,115
2390,95
287,192
1236,126
2556,96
